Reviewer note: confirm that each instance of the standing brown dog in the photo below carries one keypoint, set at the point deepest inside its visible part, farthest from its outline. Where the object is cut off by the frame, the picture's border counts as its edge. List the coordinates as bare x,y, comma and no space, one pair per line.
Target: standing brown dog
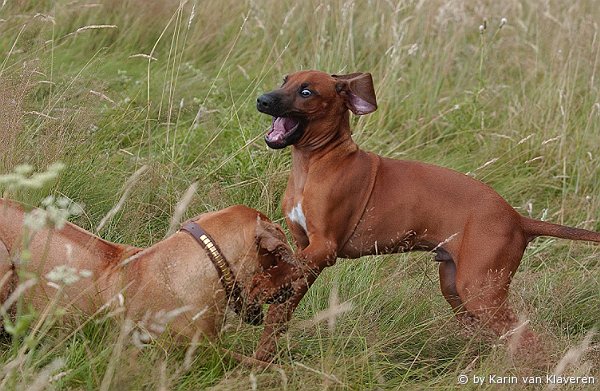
344,202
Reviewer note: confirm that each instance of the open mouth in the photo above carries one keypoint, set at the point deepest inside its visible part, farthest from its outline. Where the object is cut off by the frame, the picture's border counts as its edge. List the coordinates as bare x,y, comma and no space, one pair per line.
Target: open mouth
284,131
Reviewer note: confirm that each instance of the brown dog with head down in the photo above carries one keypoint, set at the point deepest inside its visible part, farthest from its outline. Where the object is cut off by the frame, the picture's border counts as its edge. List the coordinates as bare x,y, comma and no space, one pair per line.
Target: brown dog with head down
174,276
343,202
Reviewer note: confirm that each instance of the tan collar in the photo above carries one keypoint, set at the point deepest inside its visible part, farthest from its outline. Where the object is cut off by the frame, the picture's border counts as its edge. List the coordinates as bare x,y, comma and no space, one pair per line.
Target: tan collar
250,313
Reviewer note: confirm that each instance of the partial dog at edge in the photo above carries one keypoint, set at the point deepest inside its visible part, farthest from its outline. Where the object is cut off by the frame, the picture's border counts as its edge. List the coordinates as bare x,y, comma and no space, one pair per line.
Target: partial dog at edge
175,273
343,202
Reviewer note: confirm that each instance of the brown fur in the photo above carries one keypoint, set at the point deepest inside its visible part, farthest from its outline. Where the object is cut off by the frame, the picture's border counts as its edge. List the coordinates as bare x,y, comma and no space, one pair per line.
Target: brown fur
171,274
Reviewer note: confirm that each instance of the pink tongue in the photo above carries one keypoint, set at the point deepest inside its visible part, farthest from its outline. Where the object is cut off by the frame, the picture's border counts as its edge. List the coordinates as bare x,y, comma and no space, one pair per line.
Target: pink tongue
281,125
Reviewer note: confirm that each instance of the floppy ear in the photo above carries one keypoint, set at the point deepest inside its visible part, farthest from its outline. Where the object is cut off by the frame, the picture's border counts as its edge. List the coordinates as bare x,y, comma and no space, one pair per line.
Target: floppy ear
271,239
358,92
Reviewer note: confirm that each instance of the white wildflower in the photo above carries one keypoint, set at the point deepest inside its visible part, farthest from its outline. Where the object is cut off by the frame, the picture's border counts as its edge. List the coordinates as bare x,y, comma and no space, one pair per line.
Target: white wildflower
58,210
23,177
56,167
63,274
9,179
67,275
24,169
49,200
35,220
483,26
63,203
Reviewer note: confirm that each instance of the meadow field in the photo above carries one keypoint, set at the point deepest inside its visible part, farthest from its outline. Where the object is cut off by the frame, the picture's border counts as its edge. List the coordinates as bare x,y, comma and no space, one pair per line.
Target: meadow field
507,91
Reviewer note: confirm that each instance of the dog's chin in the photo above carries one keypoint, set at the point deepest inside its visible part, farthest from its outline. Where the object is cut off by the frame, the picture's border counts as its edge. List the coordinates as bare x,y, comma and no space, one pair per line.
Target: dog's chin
279,144
284,131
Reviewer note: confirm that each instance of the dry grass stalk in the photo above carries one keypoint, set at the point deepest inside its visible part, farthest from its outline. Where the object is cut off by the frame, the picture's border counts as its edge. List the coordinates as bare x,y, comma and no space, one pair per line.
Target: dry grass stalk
181,207
44,378
572,357
95,27
128,188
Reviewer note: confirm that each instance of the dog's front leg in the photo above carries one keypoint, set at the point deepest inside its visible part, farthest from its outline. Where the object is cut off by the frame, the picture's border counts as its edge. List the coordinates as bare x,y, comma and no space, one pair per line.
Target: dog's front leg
318,255
278,283
276,323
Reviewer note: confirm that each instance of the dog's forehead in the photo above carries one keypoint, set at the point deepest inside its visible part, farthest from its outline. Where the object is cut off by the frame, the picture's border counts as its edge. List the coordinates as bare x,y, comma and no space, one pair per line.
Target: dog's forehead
310,78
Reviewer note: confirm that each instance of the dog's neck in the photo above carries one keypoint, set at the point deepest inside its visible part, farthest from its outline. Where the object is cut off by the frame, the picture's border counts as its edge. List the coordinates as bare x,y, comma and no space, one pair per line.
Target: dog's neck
336,141
239,256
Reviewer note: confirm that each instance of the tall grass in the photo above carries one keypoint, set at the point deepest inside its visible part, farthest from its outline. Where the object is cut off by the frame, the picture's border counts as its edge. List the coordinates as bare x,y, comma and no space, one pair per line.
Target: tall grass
110,86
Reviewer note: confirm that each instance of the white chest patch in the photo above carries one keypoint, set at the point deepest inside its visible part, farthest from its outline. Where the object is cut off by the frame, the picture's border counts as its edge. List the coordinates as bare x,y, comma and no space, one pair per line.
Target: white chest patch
297,216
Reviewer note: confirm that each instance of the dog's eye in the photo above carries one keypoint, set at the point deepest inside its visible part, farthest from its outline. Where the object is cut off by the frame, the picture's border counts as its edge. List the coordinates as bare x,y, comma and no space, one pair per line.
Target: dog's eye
306,93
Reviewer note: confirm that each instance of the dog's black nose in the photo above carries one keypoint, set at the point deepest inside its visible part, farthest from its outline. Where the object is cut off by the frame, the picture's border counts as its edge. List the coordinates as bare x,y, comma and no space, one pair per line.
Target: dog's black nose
264,102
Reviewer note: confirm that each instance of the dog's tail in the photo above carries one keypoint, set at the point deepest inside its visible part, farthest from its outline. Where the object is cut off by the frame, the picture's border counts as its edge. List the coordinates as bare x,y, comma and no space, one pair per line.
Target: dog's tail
535,228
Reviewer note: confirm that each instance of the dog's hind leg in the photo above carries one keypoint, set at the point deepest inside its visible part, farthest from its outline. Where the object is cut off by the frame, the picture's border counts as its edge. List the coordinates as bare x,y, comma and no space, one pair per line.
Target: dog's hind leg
483,277
447,271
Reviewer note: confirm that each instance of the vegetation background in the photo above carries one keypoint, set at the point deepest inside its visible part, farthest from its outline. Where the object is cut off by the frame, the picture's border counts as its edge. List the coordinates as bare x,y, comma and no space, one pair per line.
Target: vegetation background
506,91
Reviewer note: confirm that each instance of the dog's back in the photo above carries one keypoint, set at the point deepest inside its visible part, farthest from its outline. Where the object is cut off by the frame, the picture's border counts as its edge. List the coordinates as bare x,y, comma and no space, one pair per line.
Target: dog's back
71,250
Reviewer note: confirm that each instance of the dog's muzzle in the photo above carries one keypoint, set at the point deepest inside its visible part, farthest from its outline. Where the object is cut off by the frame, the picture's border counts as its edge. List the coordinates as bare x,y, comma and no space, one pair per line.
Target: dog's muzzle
285,129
